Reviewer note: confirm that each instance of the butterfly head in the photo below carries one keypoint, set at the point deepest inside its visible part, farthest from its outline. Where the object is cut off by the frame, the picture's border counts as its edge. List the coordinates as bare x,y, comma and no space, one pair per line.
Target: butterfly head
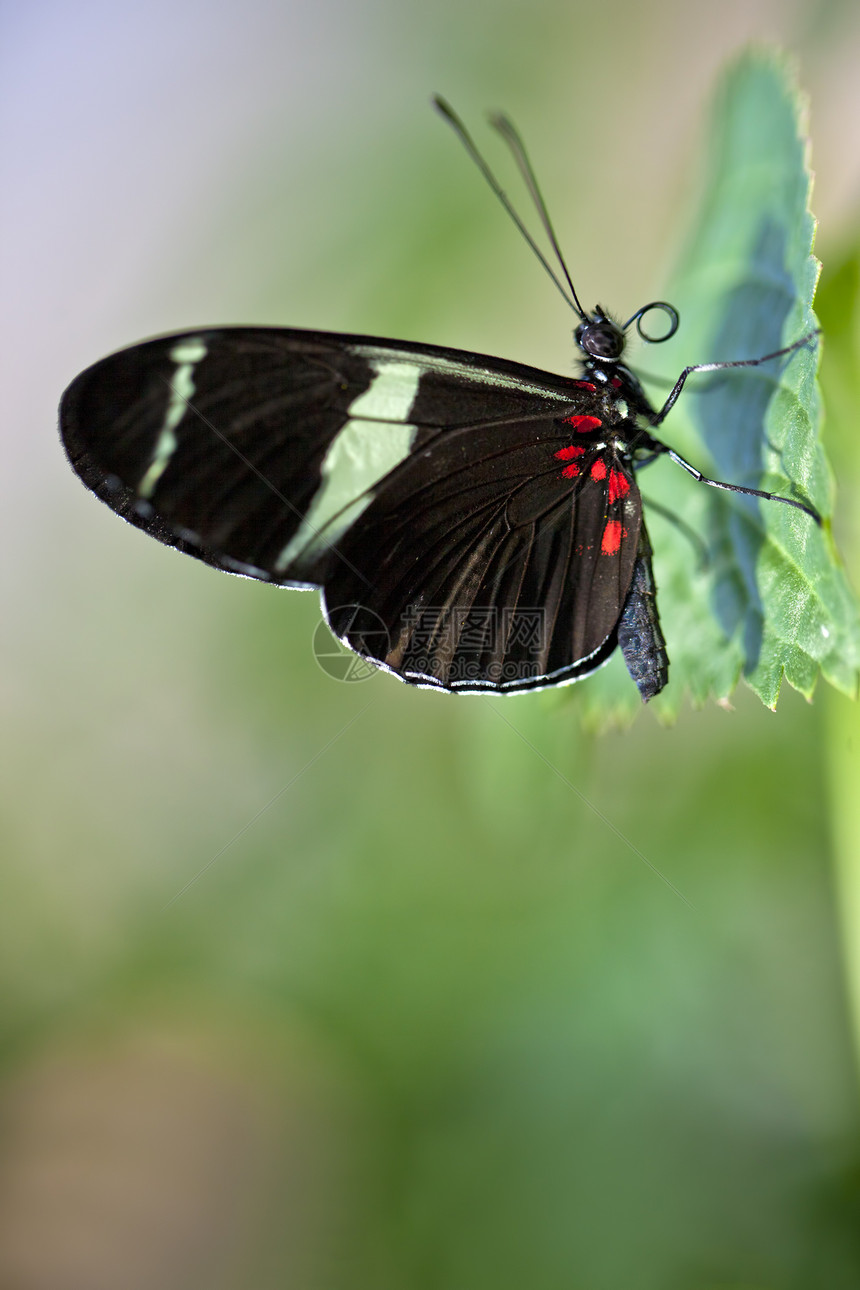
602,340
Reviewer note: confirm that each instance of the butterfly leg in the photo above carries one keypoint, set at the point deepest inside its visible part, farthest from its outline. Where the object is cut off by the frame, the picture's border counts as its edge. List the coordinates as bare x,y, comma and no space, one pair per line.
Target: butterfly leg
698,543
738,488
721,367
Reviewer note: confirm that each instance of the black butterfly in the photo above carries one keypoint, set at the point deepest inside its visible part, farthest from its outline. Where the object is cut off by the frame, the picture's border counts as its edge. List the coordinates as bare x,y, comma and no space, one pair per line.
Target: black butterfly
474,525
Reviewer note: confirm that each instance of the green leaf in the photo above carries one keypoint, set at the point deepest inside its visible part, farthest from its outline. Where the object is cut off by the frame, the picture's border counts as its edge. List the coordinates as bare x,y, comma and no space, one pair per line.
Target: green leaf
772,600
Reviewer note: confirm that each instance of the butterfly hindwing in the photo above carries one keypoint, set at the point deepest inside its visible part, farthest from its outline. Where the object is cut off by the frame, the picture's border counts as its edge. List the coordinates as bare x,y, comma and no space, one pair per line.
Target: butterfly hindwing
490,569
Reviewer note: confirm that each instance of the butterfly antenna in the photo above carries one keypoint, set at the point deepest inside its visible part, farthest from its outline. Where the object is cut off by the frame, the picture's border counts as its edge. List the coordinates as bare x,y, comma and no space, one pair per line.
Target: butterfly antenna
466,139
510,134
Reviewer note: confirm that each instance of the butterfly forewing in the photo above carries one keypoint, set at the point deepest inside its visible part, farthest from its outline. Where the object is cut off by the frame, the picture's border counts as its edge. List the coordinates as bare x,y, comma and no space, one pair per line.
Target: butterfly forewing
217,441
214,440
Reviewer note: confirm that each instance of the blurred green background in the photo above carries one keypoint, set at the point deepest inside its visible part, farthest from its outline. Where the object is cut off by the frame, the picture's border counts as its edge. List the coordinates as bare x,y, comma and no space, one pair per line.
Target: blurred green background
308,984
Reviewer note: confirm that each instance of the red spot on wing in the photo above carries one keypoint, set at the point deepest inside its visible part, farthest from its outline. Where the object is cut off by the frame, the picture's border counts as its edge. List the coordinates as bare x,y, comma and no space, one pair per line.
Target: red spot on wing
619,485
571,471
598,470
585,385
611,537
572,450
583,424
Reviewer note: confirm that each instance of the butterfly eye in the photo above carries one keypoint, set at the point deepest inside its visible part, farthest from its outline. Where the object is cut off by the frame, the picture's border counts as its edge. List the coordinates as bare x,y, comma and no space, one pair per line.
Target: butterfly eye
600,338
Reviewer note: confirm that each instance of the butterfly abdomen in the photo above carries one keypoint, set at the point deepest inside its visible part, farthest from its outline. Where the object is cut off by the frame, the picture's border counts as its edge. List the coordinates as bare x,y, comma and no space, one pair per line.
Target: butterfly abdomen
639,635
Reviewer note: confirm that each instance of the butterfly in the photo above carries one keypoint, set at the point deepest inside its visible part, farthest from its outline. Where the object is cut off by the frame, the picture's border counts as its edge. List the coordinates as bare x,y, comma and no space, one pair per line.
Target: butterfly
474,525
